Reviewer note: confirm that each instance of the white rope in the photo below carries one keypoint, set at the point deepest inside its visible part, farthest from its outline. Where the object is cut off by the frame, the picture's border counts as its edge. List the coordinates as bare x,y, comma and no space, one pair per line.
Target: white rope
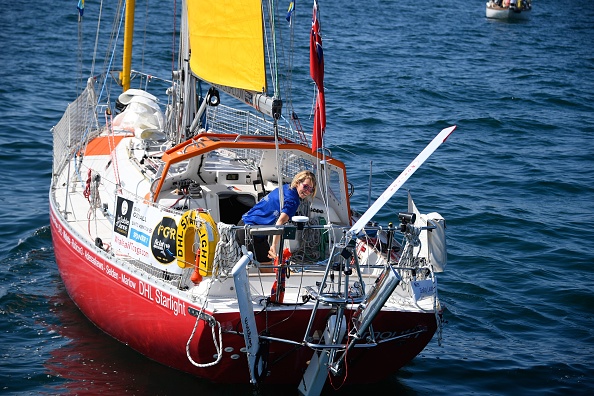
227,251
218,346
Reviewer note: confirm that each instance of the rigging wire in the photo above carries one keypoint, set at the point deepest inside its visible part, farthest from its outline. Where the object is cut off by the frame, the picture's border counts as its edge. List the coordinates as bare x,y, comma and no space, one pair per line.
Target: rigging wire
111,52
79,65
267,40
274,50
173,35
96,39
287,61
146,15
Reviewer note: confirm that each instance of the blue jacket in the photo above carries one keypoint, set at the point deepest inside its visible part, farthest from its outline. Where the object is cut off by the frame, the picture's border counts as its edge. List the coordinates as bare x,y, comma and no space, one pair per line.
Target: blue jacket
266,212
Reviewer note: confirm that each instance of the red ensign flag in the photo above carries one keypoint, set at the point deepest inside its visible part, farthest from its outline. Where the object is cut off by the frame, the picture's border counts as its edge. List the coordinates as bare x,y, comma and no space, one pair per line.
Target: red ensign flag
316,70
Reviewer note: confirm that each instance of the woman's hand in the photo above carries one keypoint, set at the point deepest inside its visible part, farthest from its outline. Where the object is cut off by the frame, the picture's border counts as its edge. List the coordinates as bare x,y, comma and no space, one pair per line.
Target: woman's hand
282,219
272,252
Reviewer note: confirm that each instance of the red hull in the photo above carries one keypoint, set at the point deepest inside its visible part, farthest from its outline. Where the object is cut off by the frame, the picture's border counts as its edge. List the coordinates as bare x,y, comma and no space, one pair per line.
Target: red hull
158,325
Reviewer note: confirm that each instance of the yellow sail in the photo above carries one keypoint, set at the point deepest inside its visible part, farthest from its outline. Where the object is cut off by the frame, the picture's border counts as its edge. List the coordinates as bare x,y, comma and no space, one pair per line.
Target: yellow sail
226,40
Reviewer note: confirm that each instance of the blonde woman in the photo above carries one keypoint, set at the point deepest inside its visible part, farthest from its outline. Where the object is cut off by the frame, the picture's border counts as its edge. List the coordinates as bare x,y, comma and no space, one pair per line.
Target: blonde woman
266,212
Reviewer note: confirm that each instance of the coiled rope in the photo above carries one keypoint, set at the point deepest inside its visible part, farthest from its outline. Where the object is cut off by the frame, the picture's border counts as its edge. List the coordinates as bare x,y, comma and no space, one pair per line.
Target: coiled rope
227,251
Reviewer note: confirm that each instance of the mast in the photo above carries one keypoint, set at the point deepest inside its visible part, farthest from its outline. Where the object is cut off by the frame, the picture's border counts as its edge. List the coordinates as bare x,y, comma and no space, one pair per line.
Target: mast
127,55
187,80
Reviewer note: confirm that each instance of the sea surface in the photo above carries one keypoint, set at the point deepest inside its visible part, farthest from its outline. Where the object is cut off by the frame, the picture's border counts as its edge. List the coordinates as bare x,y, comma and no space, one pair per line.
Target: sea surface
515,183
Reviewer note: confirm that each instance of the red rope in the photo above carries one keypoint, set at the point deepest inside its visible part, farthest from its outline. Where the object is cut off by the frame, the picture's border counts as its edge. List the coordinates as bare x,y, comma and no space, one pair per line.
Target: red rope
87,191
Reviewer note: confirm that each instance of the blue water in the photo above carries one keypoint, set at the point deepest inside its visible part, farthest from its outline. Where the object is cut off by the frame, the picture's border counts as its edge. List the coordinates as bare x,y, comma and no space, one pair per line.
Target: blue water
515,182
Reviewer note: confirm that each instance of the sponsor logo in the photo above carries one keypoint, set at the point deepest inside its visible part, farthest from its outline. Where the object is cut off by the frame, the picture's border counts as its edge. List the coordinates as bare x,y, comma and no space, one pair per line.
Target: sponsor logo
163,240
140,237
121,224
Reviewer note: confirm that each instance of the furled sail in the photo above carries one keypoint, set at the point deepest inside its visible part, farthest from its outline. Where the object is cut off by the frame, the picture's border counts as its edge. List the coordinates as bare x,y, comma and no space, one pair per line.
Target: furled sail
227,43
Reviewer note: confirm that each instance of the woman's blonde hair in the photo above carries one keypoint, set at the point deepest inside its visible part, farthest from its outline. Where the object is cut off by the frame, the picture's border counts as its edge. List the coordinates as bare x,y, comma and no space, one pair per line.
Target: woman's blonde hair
301,177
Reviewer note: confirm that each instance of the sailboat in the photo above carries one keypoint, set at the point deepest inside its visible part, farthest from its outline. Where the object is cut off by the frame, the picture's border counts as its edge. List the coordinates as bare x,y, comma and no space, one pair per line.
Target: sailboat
149,185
